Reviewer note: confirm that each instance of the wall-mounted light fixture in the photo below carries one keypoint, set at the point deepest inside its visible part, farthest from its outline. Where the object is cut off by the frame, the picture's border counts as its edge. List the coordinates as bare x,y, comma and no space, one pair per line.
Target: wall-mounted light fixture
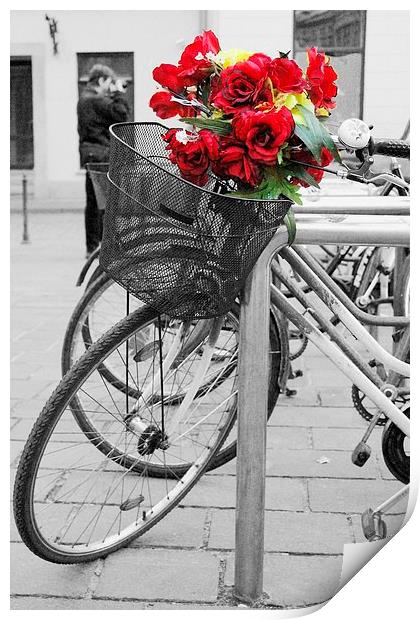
53,31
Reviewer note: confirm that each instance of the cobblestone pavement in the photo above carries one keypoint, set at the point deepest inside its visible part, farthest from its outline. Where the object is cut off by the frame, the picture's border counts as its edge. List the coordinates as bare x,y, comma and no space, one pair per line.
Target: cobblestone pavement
313,503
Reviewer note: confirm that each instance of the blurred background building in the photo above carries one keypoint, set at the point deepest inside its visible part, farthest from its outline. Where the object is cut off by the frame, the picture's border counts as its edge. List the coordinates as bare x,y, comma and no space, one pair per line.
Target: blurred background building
51,56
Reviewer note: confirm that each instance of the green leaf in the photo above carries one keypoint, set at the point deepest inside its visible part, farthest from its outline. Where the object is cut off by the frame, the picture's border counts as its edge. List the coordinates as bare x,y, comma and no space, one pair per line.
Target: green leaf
314,135
290,223
272,187
291,192
280,157
217,125
300,172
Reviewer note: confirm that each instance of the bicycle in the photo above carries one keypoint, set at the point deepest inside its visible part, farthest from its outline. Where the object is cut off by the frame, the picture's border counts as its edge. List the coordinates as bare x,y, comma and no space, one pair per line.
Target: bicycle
102,495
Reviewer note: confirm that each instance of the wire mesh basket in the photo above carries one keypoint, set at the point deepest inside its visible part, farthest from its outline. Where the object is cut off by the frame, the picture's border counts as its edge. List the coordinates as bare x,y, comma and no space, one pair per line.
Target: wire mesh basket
98,175
182,249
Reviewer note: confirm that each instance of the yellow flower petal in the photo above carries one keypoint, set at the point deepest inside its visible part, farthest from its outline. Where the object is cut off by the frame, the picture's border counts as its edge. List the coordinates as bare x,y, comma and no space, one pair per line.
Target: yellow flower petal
298,117
290,101
322,112
227,58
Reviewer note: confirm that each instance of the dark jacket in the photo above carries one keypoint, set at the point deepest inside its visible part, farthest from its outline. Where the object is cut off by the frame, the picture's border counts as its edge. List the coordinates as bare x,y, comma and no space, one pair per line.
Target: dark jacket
95,113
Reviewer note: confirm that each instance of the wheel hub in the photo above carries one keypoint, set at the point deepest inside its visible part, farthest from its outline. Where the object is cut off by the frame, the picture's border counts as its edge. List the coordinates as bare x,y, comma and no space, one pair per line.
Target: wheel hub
151,439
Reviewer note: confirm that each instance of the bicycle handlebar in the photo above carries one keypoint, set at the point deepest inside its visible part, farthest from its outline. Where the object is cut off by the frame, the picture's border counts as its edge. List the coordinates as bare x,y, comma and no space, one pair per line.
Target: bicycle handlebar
392,148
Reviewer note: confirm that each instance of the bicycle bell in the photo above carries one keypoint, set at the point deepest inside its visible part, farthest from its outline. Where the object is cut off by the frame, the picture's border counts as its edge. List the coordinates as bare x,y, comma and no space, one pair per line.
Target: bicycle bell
354,134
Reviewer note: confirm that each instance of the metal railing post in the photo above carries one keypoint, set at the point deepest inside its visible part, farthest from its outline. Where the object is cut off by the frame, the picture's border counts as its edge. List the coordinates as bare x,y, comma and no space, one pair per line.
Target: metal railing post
252,422
25,236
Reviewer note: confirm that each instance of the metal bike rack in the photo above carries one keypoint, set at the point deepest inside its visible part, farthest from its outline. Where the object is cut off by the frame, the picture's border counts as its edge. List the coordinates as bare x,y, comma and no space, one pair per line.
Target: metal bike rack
312,229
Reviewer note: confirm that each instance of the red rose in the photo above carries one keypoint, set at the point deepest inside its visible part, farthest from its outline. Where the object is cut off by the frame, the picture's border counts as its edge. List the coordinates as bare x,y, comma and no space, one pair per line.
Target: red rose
263,133
192,155
168,77
211,142
320,76
234,162
241,84
163,106
306,157
286,76
193,64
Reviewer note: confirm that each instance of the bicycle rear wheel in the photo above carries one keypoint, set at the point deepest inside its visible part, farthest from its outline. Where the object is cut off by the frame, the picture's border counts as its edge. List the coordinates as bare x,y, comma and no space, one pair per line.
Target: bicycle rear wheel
79,496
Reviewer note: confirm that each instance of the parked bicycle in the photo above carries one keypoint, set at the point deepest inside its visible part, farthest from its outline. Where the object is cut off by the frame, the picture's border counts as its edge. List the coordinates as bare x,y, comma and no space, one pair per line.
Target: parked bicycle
104,464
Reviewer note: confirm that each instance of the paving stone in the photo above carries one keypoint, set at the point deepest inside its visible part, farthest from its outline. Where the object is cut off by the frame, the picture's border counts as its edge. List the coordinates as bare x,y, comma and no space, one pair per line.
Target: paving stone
27,408
24,370
319,417
220,491
294,580
294,438
21,429
291,532
16,448
336,397
26,602
175,606
350,495
26,389
344,439
182,527
384,471
31,575
149,574
305,463
306,397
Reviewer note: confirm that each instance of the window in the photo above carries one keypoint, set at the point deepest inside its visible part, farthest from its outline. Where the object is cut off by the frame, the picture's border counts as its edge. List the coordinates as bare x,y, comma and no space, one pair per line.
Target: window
21,129
341,35
121,62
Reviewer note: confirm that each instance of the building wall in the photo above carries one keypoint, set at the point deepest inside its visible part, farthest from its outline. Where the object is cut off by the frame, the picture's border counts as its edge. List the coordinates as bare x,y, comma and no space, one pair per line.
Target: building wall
153,36
387,72
159,36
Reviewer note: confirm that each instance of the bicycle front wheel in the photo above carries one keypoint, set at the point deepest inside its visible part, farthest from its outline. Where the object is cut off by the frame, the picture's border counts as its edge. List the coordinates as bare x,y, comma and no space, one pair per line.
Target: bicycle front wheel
80,495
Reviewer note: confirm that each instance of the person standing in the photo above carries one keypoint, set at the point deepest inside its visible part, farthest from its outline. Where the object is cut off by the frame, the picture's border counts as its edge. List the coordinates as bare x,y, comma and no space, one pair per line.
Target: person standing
101,104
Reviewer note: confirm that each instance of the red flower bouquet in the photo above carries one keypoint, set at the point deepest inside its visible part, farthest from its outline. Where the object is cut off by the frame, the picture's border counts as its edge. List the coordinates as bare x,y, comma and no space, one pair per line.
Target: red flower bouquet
253,119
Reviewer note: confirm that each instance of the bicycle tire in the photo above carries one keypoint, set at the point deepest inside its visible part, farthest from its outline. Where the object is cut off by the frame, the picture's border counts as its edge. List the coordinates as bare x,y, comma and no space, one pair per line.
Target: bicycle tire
28,507
79,322
96,273
395,455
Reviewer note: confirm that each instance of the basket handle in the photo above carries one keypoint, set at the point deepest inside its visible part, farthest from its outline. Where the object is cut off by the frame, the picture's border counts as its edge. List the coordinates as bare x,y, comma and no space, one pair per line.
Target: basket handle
185,219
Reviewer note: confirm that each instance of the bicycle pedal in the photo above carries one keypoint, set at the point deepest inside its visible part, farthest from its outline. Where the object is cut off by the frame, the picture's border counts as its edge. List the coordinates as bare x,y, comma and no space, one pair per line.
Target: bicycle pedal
149,350
129,504
361,454
373,526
